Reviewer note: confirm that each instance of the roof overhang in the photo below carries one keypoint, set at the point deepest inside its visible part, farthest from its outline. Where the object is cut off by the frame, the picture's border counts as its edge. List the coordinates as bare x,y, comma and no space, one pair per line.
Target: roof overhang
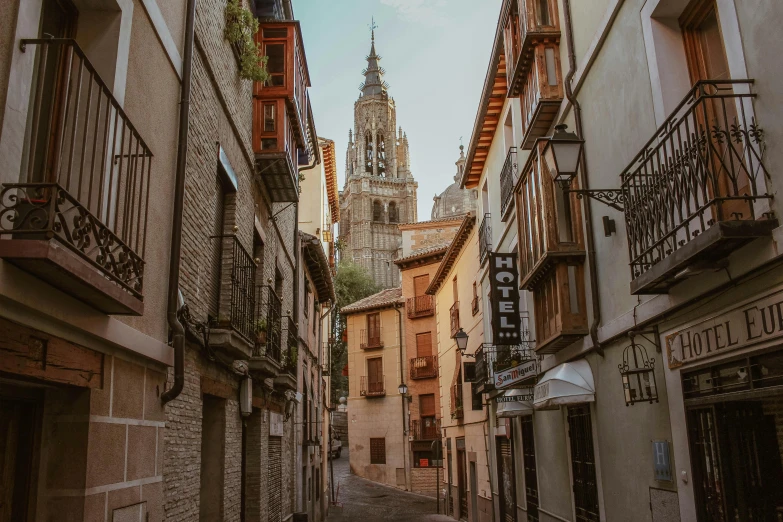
566,384
318,267
425,258
493,98
330,172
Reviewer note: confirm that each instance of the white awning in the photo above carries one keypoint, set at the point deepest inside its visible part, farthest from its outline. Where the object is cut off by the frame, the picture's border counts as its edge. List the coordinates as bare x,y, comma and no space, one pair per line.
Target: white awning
568,383
514,403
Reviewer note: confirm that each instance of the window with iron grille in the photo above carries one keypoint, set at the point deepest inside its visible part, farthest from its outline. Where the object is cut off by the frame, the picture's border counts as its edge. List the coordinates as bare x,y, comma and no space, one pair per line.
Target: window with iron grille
580,433
531,471
377,451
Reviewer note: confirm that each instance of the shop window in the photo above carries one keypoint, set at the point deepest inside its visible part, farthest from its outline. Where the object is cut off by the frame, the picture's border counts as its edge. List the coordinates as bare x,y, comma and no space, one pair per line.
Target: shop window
426,459
378,451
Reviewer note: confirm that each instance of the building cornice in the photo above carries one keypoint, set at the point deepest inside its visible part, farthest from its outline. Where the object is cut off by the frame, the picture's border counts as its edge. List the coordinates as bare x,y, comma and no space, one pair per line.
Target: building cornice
453,252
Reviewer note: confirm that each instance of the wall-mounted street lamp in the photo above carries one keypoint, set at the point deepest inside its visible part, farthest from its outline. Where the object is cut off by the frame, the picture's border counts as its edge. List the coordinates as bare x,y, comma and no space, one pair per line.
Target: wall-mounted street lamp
563,154
403,389
462,343
638,375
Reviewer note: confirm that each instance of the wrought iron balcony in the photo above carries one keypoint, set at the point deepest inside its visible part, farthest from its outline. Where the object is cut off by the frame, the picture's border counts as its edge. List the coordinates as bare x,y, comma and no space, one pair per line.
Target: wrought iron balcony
236,309
692,194
507,178
457,410
424,367
492,359
372,388
267,352
425,429
291,351
454,318
371,339
420,306
485,238
80,217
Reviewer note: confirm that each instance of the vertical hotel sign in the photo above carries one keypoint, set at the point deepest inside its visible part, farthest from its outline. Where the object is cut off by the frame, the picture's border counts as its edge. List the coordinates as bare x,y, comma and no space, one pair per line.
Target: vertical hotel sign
504,286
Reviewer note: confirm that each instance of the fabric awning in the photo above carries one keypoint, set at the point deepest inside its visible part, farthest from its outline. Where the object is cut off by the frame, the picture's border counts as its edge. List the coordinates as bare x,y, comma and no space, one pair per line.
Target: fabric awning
514,403
568,383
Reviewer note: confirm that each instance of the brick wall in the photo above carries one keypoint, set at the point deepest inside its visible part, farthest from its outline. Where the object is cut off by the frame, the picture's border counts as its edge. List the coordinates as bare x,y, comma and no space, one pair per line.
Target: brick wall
424,480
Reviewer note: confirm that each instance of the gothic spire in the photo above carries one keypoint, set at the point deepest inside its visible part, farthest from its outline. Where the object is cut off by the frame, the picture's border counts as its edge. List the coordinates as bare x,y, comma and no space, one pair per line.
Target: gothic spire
373,74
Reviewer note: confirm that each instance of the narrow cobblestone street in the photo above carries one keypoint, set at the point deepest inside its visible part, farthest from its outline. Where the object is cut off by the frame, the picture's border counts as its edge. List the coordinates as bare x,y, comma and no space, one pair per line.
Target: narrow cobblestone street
366,501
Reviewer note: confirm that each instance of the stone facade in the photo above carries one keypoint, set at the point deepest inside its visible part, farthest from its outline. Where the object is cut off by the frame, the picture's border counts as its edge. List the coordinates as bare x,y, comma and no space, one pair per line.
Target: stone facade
379,190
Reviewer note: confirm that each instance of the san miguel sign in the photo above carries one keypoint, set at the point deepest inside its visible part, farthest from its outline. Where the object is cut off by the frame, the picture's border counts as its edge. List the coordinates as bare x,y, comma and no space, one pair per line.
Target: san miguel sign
755,322
504,284
515,375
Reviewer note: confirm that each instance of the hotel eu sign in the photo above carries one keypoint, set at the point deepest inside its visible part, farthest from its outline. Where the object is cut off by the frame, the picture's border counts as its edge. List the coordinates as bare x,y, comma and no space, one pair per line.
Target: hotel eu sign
504,283
752,323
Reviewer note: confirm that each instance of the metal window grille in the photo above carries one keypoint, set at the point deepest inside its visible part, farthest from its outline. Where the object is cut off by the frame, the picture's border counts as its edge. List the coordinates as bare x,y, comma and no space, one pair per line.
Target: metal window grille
377,451
531,471
485,238
583,464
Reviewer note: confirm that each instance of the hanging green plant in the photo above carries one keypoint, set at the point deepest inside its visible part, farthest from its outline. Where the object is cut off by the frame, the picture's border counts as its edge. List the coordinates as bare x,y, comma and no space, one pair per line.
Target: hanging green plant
241,27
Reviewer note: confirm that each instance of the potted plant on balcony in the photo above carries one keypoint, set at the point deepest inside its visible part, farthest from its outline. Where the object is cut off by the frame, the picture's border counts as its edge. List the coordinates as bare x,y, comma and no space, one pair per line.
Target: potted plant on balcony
241,28
261,329
290,359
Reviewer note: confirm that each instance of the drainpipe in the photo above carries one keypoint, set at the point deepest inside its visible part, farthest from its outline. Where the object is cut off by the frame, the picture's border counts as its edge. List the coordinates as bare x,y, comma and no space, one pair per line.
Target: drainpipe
405,451
178,337
585,181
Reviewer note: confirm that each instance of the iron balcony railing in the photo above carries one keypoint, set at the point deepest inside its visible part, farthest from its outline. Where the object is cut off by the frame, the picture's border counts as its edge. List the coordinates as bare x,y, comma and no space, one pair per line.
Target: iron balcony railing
291,351
485,238
457,411
268,325
86,168
507,178
492,359
372,388
237,281
420,306
454,318
425,429
371,338
702,166
424,367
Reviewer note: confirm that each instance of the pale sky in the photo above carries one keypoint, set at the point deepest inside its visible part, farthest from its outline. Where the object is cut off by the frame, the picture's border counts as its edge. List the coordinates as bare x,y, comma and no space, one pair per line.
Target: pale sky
435,53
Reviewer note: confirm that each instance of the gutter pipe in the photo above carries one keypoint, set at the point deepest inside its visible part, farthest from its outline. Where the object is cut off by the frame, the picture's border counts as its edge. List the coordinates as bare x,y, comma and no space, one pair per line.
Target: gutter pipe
178,337
594,297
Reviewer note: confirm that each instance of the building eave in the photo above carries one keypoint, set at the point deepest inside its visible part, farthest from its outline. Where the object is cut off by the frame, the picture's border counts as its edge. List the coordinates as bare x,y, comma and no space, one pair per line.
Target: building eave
450,257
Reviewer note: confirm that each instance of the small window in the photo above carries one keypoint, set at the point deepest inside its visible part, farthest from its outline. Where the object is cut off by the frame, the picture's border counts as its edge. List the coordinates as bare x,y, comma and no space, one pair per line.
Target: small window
276,65
476,400
270,123
377,211
377,451
470,371
269,144
543,13
394,216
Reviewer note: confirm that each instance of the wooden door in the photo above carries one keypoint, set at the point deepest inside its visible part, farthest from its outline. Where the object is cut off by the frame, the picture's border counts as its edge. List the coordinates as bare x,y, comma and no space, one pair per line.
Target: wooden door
375,375
17,440
373,329
506,479
705,460
462,484
706,55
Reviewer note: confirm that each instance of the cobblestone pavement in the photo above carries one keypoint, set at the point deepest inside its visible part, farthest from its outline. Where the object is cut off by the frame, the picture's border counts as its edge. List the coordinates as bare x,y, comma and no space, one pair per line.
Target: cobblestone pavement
366,501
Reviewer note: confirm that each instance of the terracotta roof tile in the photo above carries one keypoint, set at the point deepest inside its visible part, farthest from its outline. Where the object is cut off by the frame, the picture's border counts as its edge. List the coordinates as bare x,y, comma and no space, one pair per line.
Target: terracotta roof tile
424,252
382,299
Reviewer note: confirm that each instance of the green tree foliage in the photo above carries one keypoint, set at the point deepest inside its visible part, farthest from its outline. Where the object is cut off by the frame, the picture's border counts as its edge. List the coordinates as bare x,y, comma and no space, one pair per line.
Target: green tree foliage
241,28
352,283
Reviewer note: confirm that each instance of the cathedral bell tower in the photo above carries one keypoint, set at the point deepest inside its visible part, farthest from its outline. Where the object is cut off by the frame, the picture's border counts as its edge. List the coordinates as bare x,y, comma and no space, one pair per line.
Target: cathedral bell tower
379,192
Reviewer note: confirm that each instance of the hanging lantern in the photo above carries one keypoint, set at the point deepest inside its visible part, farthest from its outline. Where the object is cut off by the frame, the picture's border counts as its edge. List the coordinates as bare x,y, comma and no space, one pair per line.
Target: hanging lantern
638,374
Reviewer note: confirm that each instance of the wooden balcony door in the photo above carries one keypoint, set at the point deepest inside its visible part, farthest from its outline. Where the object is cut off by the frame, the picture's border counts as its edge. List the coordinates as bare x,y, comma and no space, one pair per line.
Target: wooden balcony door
373,329
58,20
706,55
18,442
375,375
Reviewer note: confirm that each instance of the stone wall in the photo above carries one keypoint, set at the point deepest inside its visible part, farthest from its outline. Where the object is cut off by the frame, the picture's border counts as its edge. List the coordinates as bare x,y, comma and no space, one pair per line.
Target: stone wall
425,480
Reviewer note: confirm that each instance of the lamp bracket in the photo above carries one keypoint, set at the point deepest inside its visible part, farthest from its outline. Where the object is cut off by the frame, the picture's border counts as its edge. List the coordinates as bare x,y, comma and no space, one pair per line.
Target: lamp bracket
614,198
471,355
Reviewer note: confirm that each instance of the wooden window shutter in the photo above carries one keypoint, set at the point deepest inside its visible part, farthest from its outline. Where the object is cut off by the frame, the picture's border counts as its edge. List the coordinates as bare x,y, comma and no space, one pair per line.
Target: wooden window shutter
375,370
420,284
373,325
424,344
427,405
